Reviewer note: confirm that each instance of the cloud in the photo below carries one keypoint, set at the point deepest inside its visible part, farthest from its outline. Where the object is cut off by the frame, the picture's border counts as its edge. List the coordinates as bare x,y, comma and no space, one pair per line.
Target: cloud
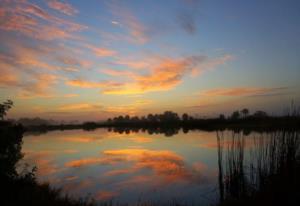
62,7
141,139
187,21
101,51
166,74
72,61
90,84
33,21
105,195
7,76
45,162
136,30
242,91
79,106
130,109
70,95
165,165
40,86
79,139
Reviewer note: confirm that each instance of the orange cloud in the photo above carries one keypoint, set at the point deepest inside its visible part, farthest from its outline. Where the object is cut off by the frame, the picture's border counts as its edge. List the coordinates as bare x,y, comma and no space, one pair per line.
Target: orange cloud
41,86
105,195
71,61
241,91
101,51
71,95
93,161
7,76
35,22
165,75
79,106
89,84
62,7
130,109
142,139
44,161
79,139
164,164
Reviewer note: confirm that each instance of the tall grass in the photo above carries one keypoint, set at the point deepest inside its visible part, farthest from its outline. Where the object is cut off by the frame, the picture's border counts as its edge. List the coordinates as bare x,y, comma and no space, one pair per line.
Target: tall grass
270,177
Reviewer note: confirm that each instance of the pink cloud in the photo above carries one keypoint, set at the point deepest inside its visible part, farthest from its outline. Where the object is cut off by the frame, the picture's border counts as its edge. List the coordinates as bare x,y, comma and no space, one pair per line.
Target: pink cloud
241,91
65,8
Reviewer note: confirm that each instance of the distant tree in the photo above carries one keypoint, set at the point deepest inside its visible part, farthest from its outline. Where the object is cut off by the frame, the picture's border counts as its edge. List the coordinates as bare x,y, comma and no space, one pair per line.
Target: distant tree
120,119
150,117
185,117
235,115
135,119
260,114
170,116
222,116
191,118
143,119
127,118
4,107
245,112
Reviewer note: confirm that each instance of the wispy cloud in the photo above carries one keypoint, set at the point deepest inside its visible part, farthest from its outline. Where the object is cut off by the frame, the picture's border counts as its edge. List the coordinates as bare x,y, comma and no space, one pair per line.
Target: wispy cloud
136,29
101,51
242,91
63,7
79,106
7,77
187,21
105,195
167,165
40,86
165,75
33,21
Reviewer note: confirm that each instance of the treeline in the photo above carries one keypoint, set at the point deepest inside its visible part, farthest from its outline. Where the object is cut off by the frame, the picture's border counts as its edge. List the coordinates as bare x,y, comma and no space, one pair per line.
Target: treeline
239,119
169,116
242,118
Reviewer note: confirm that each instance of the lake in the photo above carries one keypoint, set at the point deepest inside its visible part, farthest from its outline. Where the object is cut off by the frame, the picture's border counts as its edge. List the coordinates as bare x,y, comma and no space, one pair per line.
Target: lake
128,167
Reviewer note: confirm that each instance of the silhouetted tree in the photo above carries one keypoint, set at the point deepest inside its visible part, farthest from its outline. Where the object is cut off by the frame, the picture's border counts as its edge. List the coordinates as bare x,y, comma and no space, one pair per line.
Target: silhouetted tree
235,115
245,112
185,117
150,117
4,107
260,114
169,116
222,116
126,118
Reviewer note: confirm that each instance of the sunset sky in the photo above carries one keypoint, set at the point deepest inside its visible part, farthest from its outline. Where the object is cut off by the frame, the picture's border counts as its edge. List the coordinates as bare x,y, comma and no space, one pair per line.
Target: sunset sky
89,60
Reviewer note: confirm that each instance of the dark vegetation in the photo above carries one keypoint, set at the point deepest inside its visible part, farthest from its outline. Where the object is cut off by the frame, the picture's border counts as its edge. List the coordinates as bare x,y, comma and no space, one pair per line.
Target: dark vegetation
20,187
269,177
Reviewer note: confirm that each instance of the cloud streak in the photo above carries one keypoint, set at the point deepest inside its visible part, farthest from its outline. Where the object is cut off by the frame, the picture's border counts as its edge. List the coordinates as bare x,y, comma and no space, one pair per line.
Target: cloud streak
62,7
242,91
166,74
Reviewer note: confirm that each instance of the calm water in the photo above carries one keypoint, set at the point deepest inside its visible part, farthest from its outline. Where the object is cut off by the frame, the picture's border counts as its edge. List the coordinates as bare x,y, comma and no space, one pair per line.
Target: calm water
128,167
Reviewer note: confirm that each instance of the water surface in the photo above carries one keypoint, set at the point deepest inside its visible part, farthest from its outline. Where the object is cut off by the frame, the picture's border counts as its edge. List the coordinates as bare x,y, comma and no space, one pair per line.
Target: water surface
127,168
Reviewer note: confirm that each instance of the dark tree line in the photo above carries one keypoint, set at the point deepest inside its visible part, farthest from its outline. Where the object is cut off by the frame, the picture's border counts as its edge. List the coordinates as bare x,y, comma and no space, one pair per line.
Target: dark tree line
172,117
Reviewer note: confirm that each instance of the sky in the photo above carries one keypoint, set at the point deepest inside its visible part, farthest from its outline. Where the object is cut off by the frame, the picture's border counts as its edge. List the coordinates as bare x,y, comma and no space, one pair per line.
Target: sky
90,60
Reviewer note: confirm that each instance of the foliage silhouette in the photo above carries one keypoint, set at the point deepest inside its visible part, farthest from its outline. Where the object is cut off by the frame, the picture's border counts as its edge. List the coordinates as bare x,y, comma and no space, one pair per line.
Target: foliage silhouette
4,107
18,185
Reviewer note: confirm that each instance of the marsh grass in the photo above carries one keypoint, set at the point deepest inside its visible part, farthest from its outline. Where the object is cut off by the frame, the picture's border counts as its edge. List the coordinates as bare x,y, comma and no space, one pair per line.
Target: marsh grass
270,177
